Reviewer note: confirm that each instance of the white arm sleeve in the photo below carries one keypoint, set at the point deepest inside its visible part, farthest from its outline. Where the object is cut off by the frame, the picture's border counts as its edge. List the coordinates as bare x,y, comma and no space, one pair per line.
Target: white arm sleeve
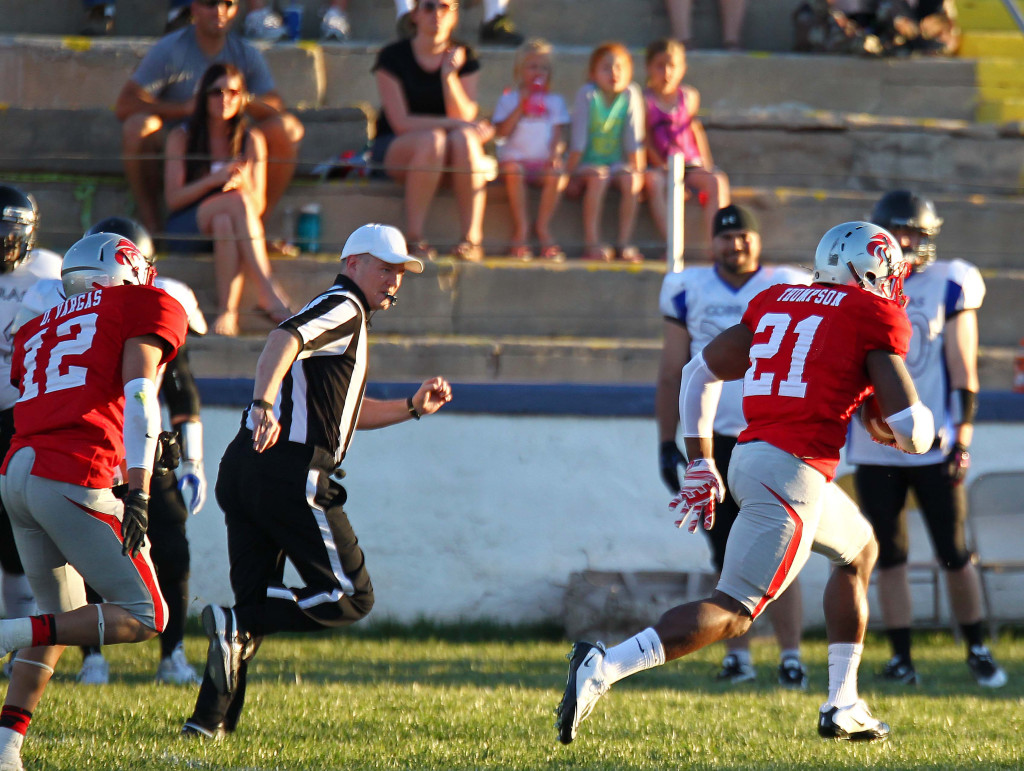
191,441
141,423
698,398
914,428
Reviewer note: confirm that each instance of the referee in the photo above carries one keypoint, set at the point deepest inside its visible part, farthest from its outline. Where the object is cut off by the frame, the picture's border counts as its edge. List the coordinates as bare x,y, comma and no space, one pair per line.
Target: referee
275,485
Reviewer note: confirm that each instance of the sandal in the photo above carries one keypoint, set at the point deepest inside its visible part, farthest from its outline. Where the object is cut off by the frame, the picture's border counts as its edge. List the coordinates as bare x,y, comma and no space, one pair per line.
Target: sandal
226,324
468,252
421,250
280,248
520,251
629,254
277,315
597,254
552,253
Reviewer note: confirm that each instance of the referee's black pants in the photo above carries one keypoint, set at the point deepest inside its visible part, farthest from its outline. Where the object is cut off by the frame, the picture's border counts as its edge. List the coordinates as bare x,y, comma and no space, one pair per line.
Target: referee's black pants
282,504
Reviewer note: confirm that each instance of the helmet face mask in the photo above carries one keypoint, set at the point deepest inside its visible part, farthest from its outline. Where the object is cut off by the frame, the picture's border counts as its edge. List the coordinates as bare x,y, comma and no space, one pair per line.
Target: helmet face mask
19,224
102,260
903,210
864,255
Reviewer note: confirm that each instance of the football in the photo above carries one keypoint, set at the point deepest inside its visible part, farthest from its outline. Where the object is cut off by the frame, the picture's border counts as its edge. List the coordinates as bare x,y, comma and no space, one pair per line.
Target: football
872,419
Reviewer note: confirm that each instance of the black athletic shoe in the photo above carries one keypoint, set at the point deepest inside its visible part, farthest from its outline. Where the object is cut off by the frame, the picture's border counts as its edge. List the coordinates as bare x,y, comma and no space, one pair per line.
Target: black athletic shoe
192,730
792,675
984,667
899,670
585,685
851,724
500,31
227,647
734,671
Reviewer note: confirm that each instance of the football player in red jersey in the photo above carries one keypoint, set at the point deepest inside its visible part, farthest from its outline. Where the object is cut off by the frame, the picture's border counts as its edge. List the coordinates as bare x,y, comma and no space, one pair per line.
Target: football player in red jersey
808,356
86,370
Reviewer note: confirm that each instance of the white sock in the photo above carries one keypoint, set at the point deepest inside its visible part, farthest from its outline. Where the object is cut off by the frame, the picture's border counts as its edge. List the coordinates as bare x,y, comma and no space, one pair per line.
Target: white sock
843,662
15,633
10,743
18,599
494,8
742,655
641,651
789,653
402,7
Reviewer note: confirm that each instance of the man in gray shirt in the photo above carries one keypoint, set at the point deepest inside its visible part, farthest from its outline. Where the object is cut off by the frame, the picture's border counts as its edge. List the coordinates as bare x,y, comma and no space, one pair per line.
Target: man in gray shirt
161,92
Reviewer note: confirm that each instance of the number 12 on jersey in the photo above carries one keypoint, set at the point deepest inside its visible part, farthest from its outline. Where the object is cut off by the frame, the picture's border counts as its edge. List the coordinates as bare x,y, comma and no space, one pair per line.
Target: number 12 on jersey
73,337
764,384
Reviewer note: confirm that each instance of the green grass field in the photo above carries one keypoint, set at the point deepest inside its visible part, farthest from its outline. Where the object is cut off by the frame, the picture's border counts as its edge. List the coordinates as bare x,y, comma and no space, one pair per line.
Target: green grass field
382,699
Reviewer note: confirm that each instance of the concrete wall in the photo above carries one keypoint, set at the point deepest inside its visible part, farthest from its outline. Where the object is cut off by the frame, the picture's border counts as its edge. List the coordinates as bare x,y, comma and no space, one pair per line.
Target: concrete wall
477,516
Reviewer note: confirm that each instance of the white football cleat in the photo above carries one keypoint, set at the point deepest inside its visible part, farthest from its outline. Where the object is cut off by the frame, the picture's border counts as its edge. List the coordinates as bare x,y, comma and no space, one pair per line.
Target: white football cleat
95,670
176,670
853,723
583,688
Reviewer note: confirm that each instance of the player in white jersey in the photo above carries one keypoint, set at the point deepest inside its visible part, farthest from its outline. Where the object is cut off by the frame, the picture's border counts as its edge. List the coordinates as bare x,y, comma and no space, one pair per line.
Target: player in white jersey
698,303
944,296
21,266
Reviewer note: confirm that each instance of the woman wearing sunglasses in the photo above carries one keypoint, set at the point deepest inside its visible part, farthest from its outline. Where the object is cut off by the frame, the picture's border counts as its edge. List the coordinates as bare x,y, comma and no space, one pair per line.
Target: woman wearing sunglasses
429,124
215,181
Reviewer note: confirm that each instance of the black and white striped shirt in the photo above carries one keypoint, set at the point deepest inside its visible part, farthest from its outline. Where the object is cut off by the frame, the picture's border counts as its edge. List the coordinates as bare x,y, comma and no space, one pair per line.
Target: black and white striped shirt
320,396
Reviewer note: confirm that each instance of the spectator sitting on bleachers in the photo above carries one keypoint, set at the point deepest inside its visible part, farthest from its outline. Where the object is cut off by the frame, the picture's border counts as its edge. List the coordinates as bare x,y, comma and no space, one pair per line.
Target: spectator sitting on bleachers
99,16
673,128
607,142
532,122
732,13
215,184
428,123
877,27
160,93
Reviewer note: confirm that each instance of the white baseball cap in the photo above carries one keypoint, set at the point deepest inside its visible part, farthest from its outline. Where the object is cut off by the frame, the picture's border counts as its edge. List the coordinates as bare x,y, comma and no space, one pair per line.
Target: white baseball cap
384,242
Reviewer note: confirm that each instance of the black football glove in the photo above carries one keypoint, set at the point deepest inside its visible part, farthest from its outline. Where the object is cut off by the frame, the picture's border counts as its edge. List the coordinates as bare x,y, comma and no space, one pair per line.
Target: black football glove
168,453
957,463
135,522
670,458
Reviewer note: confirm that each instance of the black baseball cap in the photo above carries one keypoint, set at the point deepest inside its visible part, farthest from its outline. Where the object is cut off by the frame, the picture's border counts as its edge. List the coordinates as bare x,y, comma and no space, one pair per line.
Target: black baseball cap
733,217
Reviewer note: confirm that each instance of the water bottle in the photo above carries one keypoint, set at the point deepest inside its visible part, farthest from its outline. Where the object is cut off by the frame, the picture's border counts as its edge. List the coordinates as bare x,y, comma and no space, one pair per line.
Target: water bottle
307,230
1018,369
293,21
536,106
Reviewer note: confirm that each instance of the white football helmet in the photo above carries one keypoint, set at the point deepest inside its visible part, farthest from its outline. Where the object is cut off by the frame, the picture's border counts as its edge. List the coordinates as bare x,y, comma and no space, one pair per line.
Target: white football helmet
864,255
103,259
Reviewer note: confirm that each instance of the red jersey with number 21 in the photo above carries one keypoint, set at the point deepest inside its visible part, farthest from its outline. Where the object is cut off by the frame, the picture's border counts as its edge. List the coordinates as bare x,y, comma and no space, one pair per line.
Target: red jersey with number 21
807,370
67,364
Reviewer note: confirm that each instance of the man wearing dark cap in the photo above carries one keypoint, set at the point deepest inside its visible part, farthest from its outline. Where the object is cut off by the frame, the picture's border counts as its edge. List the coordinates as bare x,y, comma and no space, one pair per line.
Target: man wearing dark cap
698,303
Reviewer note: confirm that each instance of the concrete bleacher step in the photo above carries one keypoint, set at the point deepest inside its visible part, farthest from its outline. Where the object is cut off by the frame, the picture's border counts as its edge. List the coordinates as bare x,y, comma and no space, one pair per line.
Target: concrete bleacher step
61,73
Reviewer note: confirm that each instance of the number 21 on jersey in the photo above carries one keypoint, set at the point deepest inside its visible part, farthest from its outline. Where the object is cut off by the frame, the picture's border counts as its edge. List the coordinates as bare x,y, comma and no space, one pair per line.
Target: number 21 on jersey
73,337
780,324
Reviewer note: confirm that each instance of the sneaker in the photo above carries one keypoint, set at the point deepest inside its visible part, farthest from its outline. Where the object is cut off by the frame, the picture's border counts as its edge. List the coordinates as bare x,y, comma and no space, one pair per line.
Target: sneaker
792,675
500,31
264,24
852,724
334,26
95,670
582,690
192,730
175,669
986,671
227,647
735,672
99,21
899,670
177,19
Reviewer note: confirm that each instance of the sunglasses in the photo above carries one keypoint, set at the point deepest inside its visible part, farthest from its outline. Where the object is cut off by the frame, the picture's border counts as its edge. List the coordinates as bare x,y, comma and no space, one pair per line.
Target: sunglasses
228,4
227,93
433,7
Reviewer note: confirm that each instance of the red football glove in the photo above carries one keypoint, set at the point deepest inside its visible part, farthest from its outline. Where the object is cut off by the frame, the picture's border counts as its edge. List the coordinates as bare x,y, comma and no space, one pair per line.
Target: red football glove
702,488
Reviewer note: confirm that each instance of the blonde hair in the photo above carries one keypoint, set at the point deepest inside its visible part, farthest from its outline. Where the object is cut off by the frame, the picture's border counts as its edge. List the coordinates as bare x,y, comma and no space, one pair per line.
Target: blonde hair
535,46
610,47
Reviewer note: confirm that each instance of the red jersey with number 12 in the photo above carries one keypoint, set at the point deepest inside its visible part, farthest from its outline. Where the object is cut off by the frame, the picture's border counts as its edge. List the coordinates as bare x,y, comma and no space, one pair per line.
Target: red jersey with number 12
67,364
807,365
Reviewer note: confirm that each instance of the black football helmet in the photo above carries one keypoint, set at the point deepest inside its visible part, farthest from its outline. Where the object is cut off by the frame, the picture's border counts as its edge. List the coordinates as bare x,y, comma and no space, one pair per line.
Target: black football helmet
130,229
904,209
19,225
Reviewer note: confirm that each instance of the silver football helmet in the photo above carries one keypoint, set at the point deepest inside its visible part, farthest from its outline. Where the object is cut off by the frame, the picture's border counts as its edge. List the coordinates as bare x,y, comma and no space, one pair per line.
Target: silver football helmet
103,259
864,255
